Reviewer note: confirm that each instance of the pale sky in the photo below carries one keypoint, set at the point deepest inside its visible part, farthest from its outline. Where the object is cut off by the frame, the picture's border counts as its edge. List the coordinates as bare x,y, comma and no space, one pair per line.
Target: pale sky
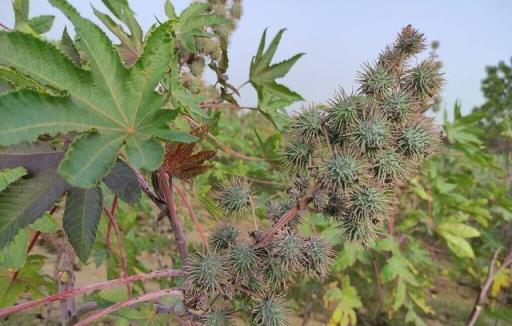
338,36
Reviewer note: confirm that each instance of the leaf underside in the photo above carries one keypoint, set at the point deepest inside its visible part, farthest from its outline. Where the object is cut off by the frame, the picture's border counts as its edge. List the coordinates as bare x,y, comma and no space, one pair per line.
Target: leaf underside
81,219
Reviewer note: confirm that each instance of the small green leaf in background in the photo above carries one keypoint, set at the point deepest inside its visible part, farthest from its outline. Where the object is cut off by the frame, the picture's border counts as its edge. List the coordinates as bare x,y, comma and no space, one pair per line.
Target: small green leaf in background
45,224
36,25
8,176
346,302
192,22
14,255
399,295
455,235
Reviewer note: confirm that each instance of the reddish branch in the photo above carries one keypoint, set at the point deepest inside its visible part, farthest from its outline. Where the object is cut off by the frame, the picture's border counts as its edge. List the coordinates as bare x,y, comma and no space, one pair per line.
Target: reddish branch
482,294
5,27
179,236
288,216
90,288
122,252
197,224
109,227
127,303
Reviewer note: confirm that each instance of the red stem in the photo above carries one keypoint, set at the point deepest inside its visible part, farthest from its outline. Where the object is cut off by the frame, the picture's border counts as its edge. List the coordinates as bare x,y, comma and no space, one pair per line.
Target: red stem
33,243
287,217
90,288
124,261
109,228
179,236
127,303
5,27
197,224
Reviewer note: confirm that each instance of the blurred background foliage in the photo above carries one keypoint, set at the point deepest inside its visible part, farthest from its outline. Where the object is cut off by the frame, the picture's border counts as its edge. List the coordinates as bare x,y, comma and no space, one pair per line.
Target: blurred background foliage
425,269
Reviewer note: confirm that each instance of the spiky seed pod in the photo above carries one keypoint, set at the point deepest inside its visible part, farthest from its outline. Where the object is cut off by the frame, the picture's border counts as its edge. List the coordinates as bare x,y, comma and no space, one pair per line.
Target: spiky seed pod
300,184
297,155
361,232
224,236
371,134
335,207
390,167
375,80
197,67
236,9
207,273
368,203
270,311
425,80
397,106
306,127
318,257
419,139
243,260
234,197
289,248
341,111
410,41
390,59
256,285
216,318
343,170
320,200
274,274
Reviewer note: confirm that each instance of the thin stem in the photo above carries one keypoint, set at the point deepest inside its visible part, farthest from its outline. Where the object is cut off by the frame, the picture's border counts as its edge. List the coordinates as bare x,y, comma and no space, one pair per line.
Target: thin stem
253,212
482,294
33,243
226,148
127,303
122,252
197,224
90,288
179,236
109,227
5,27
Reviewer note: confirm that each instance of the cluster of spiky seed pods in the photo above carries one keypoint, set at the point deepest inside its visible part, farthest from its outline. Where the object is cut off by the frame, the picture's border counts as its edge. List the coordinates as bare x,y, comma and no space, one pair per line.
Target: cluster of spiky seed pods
345,157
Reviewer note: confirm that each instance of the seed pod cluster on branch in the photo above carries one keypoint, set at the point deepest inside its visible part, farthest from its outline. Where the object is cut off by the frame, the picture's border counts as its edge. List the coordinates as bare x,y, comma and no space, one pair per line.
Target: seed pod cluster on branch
344,156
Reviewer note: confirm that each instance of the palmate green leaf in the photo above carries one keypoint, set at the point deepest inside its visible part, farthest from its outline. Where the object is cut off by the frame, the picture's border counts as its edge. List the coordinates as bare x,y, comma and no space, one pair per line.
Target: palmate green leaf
262,75
116,105
26,200
81,219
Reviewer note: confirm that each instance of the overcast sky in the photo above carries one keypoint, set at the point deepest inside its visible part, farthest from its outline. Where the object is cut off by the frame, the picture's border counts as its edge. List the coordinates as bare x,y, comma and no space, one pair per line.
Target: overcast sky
338,36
